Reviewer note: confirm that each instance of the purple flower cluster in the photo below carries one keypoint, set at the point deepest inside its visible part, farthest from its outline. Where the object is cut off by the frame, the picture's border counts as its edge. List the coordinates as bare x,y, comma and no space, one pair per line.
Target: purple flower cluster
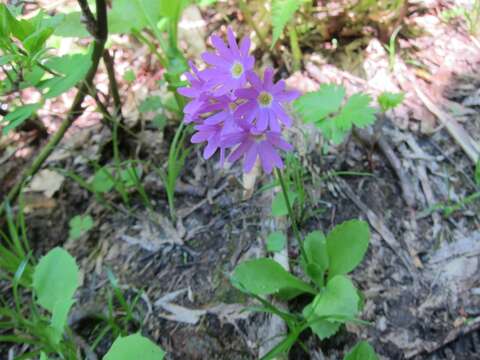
234,109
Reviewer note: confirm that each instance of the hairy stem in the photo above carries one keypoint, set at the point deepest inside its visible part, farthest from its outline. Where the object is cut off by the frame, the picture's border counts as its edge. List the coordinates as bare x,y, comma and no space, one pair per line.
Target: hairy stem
101,32
291,214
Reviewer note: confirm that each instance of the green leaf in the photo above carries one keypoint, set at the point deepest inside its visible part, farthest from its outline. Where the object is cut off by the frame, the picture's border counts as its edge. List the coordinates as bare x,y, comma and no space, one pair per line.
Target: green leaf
283,346
361,351
79,225
357,111
282,12
151,103
131,175
55,278
129,76
128,15
18,116
388,100
279,206
134,347
339,300
73,69
59,319
346,246
477,173
72,26
33,43
172,9
321,327
317,256
276,241
43,356
267,277
102,181
316,106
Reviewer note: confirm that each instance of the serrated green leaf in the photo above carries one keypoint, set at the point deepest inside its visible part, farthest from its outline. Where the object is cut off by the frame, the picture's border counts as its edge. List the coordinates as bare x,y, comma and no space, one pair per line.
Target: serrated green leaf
316,106
73,69
276,241
55,278
321,327
361,351
72,26
357,111
134,347
79,225
18,116
267,277
346,246
59,319
339,300
279,206
388,100
282,12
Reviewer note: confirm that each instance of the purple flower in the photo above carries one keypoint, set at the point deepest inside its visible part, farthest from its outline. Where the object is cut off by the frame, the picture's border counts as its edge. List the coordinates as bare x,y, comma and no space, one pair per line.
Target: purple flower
229,64
197,92
264,102
253,144
216,126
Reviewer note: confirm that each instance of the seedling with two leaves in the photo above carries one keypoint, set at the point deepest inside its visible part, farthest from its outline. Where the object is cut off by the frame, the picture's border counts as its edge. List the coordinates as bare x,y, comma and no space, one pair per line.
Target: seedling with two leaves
334,298
43,324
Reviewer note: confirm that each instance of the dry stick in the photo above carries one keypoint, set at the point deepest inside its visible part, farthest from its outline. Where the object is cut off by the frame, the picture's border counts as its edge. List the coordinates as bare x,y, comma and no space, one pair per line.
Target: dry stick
101,32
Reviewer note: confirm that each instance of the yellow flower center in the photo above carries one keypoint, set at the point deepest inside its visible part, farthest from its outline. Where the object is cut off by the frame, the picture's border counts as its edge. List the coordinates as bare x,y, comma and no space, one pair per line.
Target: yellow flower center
264,99
237,69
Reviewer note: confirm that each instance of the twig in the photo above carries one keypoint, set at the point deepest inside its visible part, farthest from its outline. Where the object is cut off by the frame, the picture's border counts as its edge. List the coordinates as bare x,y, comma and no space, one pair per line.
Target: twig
76,110
469,146
117,102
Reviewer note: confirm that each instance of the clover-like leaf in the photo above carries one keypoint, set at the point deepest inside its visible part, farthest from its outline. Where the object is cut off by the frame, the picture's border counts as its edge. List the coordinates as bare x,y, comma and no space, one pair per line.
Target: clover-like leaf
79,225
388,100
267,277
346,246
134,346
55,278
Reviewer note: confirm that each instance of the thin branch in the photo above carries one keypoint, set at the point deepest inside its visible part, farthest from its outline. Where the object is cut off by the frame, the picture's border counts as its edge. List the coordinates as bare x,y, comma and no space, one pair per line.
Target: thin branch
101,31
117,102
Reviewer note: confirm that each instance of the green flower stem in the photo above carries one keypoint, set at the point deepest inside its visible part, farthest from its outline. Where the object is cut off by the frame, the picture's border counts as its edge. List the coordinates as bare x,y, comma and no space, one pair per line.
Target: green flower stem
248,16
291,214
296,52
